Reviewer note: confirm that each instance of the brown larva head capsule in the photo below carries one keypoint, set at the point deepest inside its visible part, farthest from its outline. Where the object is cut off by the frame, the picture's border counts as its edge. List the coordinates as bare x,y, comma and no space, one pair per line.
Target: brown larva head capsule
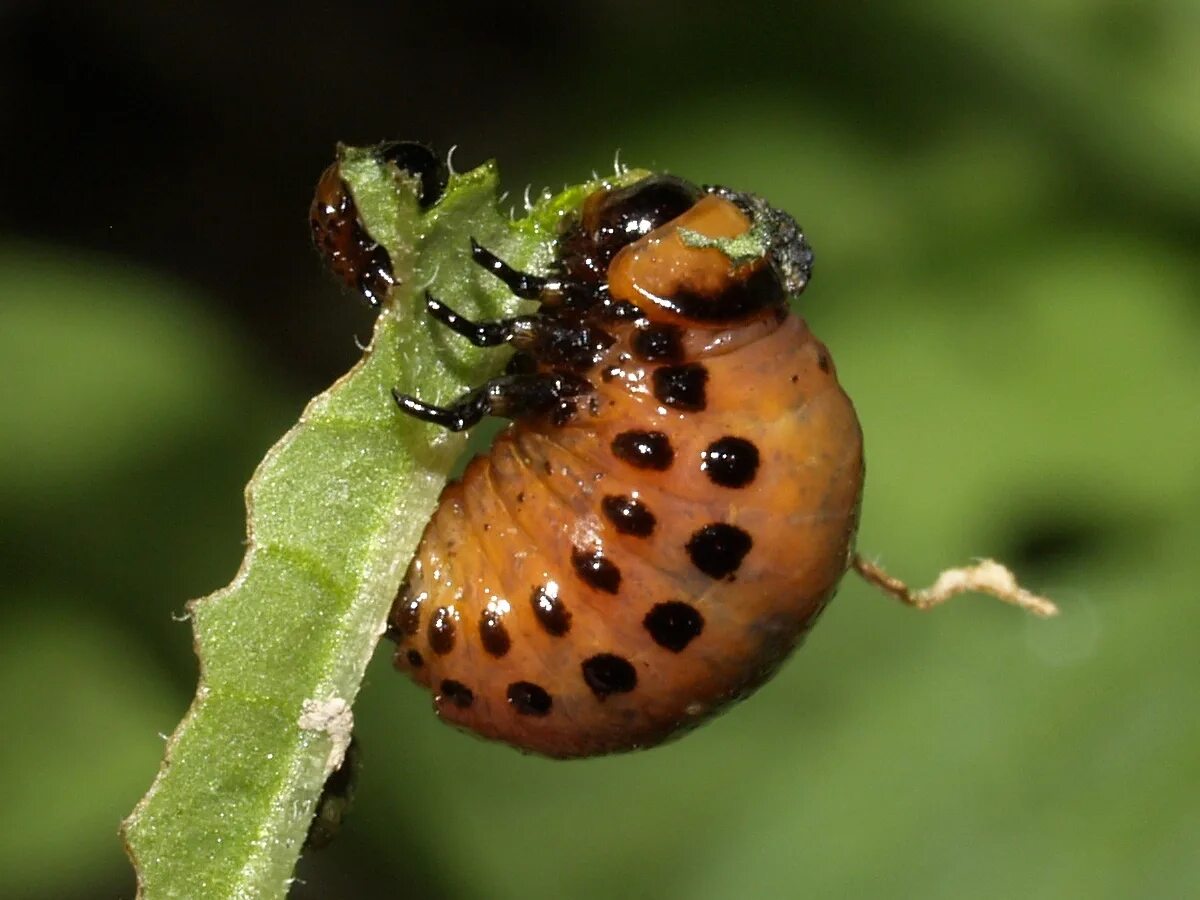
338,231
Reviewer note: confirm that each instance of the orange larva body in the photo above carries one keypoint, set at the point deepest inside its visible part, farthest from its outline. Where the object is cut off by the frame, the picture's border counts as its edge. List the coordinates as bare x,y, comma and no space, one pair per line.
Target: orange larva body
650,547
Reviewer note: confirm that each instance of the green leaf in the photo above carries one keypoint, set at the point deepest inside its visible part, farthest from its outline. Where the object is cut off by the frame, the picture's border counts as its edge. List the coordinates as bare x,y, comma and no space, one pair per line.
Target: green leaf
335,511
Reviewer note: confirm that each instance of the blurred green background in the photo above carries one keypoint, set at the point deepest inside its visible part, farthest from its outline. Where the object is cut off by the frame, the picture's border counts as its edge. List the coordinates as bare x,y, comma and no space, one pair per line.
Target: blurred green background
1005,206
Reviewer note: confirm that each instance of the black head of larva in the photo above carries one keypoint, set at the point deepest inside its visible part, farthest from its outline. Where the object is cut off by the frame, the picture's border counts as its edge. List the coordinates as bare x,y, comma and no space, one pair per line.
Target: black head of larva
613,218
416,159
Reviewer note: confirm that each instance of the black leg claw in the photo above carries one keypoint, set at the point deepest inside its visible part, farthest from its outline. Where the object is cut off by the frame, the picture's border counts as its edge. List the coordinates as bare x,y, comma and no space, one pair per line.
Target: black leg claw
524,390
511,396
460,416
522,284
481,334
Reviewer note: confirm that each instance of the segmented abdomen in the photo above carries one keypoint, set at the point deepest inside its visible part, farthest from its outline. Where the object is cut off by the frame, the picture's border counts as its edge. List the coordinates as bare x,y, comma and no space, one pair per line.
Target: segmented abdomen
602,585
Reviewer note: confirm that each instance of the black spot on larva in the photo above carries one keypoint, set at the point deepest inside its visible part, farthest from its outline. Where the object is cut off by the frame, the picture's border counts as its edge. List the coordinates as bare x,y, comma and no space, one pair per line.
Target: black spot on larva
529,699
742,297
348,249
628,515
607,673
823,362
718,549
493,634
457,693
644,449
596,569
658,343
415,659
730,462
441,630
681,387
674,625
551,612
406,616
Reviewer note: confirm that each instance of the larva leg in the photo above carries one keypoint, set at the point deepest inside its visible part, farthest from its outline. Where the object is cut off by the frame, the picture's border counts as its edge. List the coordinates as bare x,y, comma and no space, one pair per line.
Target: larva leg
570,345
522,284
509,396
481,334
549,292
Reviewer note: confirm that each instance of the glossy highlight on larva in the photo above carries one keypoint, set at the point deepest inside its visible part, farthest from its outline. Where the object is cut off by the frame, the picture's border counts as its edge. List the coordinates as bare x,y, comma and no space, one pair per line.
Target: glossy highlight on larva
674,501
